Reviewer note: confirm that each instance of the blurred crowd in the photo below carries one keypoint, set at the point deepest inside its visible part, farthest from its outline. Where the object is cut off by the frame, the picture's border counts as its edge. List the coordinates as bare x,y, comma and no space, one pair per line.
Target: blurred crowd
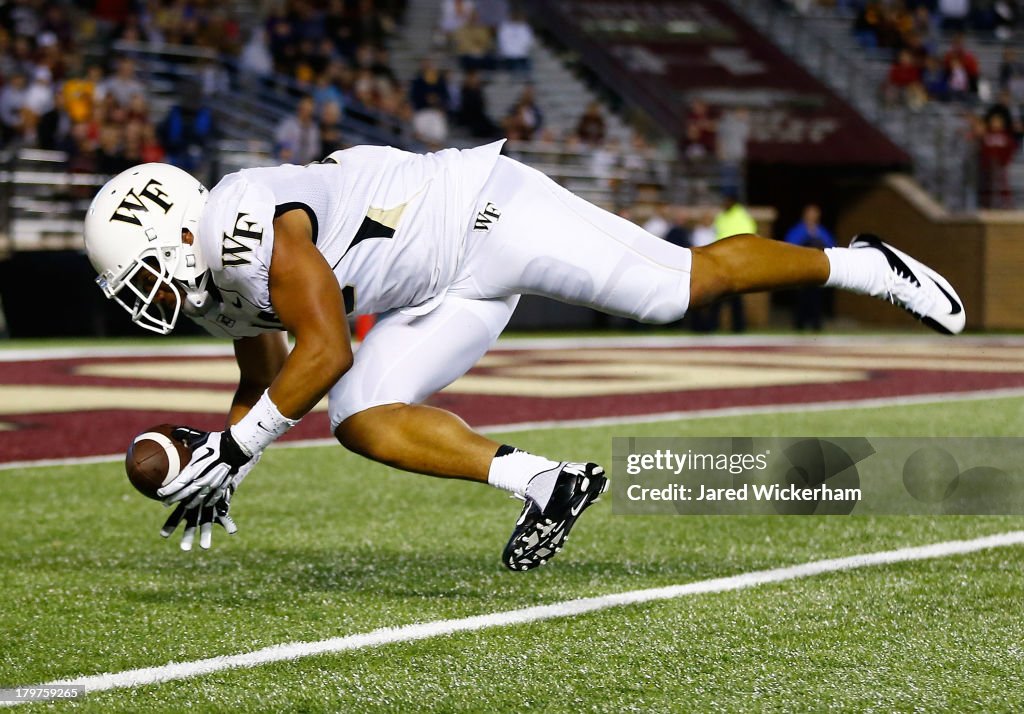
62,89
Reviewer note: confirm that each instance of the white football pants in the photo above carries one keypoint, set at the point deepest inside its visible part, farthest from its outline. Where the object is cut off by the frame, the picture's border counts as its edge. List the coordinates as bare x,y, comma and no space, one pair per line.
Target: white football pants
530,236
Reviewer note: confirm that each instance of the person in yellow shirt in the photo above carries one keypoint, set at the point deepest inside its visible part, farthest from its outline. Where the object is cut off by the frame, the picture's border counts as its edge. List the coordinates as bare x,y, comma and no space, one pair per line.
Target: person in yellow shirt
78,94
733,220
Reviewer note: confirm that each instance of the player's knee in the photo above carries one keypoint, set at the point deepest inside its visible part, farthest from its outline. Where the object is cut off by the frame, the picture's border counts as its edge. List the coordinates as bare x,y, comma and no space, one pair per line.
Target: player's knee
366,432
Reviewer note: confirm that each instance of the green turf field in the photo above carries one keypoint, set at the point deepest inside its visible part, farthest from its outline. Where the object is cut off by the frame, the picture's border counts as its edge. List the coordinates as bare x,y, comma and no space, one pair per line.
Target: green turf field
331,545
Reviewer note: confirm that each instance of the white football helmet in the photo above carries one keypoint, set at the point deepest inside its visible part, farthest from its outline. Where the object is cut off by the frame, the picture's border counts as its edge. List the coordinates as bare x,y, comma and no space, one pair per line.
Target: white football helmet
133,236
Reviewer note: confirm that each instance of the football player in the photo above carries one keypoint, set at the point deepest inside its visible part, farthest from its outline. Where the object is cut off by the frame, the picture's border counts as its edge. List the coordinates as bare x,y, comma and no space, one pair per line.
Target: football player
441,246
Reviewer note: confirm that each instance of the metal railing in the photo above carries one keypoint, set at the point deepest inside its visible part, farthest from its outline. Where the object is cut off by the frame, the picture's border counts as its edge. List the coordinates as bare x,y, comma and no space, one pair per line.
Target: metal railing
42,204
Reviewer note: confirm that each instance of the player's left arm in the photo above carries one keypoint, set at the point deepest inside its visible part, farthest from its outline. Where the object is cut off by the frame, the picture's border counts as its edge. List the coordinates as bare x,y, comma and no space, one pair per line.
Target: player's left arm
260,359
307,299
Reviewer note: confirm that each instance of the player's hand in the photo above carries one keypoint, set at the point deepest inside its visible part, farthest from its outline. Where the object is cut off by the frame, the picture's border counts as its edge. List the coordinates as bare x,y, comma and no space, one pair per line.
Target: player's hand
217,461
200,517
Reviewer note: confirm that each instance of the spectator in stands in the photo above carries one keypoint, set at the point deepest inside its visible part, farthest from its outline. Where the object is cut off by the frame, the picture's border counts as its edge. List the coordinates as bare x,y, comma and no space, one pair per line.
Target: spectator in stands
1010,112
958,82
297,137
515,41
678,232
110,157
39,115
525,119
1011,74
954,14
331,135
454,14
372,23
591,127
213,78
186,132
926,26
933,79
962,69
255,58
492,12
57,23
150,149
429,88
282,40
325,92
12,104
1005,14
431,102
77,96
82,149
868,23
903,84
701,131
337,26
472,112
122,85
731,149
809,232
474,44
376,60
996,149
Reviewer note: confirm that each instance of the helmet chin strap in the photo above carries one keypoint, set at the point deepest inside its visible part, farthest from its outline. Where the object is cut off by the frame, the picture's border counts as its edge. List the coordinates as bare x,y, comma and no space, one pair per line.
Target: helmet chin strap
198,300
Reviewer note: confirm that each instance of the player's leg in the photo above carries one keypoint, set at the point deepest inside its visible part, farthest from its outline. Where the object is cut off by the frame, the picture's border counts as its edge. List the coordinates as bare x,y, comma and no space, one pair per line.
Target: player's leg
532,236
749,263
404,359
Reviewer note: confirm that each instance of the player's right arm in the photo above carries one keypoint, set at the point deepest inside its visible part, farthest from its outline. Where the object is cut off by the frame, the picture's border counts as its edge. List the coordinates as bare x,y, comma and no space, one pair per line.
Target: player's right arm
259,359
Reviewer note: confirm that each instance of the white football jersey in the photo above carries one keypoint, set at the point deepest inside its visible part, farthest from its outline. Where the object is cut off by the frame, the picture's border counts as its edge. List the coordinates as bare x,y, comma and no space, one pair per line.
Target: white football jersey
391,224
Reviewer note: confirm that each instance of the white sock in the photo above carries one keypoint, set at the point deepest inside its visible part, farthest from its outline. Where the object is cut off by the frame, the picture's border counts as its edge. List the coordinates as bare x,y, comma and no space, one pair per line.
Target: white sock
858,270
513,470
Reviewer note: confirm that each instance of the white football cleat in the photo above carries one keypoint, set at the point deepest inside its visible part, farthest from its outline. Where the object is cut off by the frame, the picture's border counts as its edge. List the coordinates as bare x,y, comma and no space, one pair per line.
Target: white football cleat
916,288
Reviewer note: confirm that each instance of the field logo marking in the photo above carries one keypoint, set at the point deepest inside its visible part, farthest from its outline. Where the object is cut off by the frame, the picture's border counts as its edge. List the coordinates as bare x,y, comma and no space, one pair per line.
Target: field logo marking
568,608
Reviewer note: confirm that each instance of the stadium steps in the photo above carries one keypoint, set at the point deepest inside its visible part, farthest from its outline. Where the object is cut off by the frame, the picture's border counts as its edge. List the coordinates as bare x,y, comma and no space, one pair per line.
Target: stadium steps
822,42
560,94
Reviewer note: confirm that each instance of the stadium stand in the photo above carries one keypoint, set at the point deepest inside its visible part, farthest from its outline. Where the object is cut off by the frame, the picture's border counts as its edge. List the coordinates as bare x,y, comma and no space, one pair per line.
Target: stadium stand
953,70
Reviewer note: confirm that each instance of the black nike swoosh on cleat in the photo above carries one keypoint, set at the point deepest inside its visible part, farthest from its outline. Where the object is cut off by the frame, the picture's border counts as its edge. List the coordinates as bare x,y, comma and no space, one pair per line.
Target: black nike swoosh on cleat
957,308
895,262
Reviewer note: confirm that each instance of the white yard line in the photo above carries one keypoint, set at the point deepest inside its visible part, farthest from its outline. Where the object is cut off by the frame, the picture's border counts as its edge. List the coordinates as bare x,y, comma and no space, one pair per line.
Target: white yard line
567,608
934,398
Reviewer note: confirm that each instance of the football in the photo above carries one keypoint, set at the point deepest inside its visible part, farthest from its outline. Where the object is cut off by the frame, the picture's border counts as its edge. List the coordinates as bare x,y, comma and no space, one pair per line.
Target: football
154,458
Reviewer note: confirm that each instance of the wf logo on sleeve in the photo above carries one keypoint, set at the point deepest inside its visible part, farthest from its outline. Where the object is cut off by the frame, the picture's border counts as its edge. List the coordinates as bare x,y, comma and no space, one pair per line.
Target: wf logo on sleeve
236,249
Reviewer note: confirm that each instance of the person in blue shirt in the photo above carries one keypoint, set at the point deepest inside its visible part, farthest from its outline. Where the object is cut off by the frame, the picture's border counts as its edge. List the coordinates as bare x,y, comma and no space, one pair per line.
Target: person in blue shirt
809,233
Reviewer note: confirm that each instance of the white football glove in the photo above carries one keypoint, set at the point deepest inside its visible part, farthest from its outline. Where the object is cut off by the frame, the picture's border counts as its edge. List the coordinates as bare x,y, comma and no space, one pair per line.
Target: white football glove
217,461
203,517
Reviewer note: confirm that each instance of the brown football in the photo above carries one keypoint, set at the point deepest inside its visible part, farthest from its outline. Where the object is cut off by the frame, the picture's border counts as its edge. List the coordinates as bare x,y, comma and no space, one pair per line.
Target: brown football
154,458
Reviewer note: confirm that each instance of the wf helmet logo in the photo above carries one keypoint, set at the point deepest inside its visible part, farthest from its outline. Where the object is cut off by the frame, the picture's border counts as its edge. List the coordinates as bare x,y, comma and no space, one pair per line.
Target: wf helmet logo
133,203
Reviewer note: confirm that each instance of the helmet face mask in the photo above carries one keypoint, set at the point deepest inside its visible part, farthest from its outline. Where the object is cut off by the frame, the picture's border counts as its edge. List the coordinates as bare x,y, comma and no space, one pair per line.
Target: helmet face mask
134,233
138,288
